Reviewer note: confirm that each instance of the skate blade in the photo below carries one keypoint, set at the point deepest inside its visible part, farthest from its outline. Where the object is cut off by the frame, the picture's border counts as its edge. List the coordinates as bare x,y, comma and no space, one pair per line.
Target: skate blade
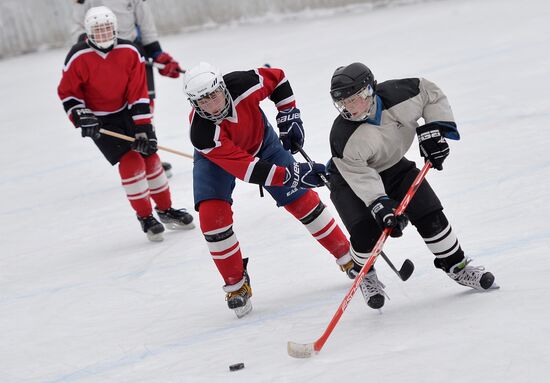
300,350
177,226
155,237
243,310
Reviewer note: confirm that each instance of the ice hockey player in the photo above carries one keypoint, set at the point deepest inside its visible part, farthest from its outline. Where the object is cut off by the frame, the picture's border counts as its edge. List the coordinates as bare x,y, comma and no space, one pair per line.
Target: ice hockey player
233,139
135,23
103,85
369,173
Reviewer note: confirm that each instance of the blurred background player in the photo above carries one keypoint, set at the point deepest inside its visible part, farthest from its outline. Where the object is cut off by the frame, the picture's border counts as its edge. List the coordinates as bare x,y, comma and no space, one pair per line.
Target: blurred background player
135,23
233,139
369,173
103,84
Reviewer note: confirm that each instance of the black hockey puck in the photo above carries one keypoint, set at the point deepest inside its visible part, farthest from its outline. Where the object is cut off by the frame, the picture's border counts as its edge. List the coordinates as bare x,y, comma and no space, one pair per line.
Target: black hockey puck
236,367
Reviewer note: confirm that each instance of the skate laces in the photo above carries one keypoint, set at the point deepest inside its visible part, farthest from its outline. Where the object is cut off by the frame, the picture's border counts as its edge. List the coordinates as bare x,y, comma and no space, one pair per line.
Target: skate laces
372,285
244,291
467,273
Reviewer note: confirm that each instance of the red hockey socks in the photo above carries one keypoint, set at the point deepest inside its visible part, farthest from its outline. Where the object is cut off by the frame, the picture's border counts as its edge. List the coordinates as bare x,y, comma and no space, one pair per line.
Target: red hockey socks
317,219
216,219
132,174
158,182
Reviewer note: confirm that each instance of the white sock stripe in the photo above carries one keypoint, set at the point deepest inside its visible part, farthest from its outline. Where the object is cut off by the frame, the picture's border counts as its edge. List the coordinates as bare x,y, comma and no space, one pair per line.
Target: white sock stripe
344,259
217,231
155,173
326,232
437,236
444,244
159,190
138,187
451,251
132,179
224,256
138,196
359,258
223,245
160,181
320,222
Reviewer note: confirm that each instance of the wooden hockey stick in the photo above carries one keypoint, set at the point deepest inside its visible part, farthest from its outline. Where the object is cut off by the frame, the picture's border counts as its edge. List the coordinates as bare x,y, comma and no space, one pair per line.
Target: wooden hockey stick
301,350
132,139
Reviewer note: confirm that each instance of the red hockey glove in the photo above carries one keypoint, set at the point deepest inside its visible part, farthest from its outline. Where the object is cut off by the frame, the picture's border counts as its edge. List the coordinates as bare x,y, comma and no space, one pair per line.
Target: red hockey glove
171,67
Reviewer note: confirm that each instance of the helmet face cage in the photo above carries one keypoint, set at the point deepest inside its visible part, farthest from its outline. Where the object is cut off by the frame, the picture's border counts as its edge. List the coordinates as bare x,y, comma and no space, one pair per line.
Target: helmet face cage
365,93
219,91
101,27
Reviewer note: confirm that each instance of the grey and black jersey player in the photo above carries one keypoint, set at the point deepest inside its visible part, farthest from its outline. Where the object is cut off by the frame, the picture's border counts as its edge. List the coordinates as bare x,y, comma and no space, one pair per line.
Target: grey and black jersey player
369,173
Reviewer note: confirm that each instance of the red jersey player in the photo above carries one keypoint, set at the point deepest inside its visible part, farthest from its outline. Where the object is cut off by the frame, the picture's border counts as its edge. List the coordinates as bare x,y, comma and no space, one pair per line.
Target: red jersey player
104,85
233,139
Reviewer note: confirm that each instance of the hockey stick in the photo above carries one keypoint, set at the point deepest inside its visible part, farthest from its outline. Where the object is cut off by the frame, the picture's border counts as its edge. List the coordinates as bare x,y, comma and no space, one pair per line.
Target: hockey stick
406,269
132,139
306,350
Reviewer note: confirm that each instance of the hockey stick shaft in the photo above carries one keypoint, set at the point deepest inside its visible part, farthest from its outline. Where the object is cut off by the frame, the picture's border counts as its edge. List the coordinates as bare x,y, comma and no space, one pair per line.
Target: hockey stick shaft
319,343
132,139
403,274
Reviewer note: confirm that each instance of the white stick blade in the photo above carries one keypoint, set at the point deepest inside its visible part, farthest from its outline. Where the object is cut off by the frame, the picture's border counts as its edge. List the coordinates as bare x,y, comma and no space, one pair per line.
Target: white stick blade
299,350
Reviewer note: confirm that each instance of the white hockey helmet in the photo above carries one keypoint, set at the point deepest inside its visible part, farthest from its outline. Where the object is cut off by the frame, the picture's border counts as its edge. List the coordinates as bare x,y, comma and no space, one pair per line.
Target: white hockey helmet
204,86
101,27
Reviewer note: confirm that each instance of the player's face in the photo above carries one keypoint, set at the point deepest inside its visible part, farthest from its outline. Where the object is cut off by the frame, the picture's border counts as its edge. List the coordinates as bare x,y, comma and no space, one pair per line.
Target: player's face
103,33
213,103
357,105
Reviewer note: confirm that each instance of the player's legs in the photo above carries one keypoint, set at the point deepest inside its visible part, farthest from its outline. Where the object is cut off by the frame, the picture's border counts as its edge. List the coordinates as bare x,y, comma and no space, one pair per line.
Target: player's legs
212,187
304,204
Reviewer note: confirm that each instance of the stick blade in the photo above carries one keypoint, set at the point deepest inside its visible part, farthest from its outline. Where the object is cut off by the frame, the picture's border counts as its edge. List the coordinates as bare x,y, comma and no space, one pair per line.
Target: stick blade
300,350
406,270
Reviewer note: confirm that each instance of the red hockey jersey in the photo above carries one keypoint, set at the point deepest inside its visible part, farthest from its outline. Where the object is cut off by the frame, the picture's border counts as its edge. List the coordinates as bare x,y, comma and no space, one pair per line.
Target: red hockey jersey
106,83
233,143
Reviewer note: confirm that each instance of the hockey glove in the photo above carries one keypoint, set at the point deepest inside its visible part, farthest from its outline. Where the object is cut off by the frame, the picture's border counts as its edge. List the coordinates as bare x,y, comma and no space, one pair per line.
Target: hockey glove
382,209
146,140
304,175
87,121
171,66
433,146
291,129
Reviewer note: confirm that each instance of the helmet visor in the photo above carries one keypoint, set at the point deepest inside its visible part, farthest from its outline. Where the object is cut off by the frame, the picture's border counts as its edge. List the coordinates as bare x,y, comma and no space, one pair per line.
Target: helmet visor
356,107
215,105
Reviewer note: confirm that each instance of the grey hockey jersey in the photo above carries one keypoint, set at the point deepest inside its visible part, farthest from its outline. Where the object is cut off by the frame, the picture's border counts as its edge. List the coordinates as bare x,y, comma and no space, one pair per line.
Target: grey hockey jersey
361,150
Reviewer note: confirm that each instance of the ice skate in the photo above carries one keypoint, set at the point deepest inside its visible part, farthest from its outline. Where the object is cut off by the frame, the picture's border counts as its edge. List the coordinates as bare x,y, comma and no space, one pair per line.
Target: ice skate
238,296
371,288
167,166
176,219
152,228
472,276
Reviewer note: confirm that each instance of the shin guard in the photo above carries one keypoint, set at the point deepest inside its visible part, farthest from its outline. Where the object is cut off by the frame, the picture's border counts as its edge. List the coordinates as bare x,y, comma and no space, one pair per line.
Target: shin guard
311,211
132,174
216,219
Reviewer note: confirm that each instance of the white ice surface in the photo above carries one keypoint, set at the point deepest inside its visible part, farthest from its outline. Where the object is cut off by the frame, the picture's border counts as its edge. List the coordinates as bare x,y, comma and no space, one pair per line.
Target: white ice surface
84,297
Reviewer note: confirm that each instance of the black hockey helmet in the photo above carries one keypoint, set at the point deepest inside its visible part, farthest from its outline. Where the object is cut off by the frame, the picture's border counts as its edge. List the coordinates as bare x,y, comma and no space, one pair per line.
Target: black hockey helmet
348,80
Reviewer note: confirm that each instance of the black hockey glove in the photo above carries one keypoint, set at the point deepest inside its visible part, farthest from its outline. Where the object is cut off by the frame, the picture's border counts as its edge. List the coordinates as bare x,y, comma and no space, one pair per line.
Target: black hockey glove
291,129
146,140
87,121
304,175
433,146
383,211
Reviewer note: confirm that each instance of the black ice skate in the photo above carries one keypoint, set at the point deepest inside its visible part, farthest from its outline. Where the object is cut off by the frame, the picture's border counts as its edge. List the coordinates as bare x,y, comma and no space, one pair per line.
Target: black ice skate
238,295
371,288
167,166
152,228
176,219
472,276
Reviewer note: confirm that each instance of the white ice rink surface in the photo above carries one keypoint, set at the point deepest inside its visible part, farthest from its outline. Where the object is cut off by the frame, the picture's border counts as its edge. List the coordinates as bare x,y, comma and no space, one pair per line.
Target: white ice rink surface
84,297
